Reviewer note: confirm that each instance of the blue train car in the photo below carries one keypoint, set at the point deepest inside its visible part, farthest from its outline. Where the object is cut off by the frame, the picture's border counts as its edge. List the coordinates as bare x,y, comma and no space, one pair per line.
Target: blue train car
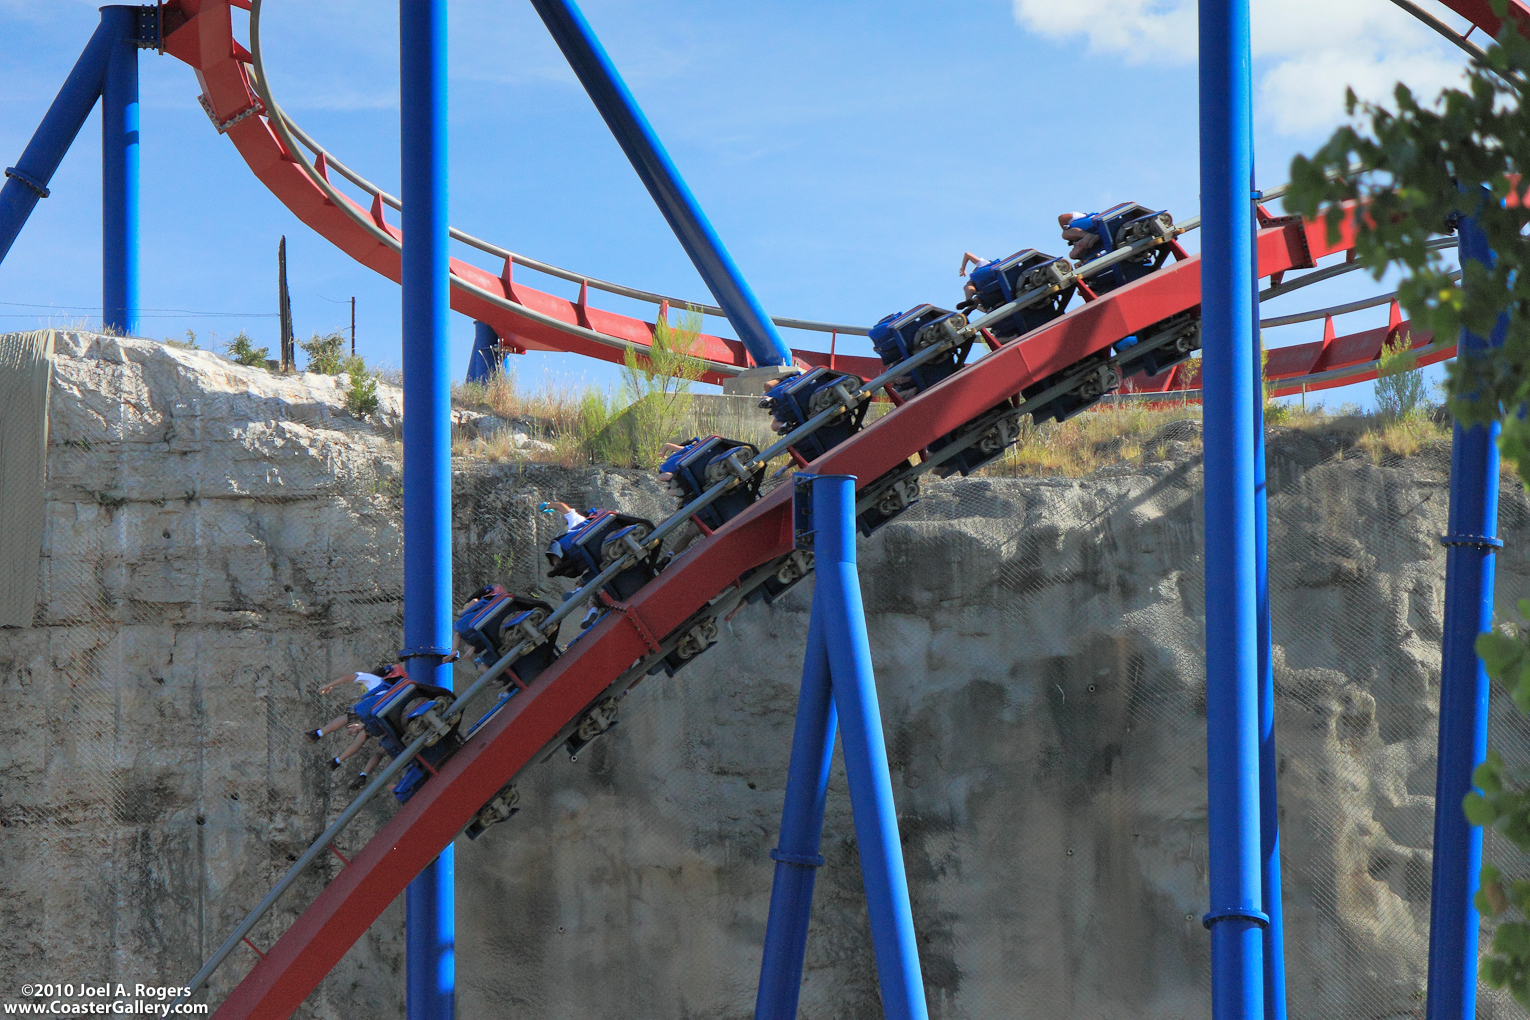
994,284
584,551
780,576
901,335
1184,340
387,715
793,401
492,624
991,443
892,497
1117,227
697,639
1099,379
701,464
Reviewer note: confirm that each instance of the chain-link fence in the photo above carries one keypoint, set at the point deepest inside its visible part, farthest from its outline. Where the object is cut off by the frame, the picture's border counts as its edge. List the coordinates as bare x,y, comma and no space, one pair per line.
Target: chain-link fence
217,544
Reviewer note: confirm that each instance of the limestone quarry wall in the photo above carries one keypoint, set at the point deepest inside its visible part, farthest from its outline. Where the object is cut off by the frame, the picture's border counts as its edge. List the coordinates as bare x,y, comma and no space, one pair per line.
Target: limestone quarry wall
217,541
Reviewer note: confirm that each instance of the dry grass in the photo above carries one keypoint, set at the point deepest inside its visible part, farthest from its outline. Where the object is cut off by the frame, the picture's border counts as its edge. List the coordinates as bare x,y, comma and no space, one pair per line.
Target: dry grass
576,422
550,415
501,448
1388,437
557,410
1090,441
1134,434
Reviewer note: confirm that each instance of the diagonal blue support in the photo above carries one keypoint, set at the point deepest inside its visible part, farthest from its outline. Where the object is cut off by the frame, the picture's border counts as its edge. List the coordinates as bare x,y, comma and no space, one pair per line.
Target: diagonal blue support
27,181
486,361
637,138
1469,550
797,857
839,653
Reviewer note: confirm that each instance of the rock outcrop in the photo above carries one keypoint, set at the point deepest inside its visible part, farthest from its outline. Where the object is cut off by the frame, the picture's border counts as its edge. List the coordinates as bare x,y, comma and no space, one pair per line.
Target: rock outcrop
219,540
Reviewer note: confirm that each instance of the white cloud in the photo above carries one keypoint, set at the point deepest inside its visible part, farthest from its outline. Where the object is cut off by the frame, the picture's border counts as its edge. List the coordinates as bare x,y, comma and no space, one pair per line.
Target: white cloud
1310,49
1141,30
1303,93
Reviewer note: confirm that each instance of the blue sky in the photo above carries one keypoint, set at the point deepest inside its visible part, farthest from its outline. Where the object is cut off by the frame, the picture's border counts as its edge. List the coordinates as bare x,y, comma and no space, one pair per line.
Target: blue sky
847,152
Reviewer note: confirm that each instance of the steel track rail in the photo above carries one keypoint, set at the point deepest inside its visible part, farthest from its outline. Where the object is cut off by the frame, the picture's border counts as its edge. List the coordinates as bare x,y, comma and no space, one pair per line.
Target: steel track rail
1343,309
595,283
1329,272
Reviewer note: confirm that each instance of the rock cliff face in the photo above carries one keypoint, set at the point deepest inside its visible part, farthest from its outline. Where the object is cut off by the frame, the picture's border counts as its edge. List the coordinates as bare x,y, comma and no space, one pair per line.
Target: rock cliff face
219,540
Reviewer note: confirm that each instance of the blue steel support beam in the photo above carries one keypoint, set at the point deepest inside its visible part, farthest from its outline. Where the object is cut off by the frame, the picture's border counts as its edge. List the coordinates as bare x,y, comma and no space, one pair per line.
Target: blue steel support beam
1469,550
1269,803
429,933
486,361
837,596
1236,919
797,857
119,173
653,165
27,181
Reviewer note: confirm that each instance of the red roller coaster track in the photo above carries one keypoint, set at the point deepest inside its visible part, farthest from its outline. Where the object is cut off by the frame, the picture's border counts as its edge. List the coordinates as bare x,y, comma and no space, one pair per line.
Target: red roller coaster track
200,33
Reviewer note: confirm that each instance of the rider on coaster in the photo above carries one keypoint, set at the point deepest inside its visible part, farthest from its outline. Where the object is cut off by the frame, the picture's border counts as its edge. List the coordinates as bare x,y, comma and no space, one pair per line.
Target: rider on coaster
377,684
1078,230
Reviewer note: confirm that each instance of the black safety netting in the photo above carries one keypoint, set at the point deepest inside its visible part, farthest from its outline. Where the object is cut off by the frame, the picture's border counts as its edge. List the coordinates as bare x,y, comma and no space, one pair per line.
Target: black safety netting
1039,646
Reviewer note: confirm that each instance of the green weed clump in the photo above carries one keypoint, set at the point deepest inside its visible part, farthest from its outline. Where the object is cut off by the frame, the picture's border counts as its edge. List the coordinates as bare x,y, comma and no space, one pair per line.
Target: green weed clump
361,393
1400,386
326,354
241,350
658,391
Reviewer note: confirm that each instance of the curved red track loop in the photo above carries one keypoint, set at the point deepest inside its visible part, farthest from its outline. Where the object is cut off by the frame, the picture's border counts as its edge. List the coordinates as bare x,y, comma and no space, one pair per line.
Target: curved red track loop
199,32
1480,14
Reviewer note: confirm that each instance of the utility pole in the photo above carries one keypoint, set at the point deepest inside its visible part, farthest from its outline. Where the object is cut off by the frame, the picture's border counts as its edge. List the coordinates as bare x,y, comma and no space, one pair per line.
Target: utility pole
284,305
353,327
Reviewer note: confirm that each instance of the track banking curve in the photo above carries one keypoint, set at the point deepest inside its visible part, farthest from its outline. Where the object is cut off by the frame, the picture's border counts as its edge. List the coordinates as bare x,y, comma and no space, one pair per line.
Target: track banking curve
200,33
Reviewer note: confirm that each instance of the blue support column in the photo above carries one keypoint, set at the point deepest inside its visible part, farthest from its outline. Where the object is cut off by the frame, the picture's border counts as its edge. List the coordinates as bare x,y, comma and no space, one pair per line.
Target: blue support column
653,165
486,361
1469,550
1269,804
27,181
427,455
119,174
838,591
430,932
797,857
1236,918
